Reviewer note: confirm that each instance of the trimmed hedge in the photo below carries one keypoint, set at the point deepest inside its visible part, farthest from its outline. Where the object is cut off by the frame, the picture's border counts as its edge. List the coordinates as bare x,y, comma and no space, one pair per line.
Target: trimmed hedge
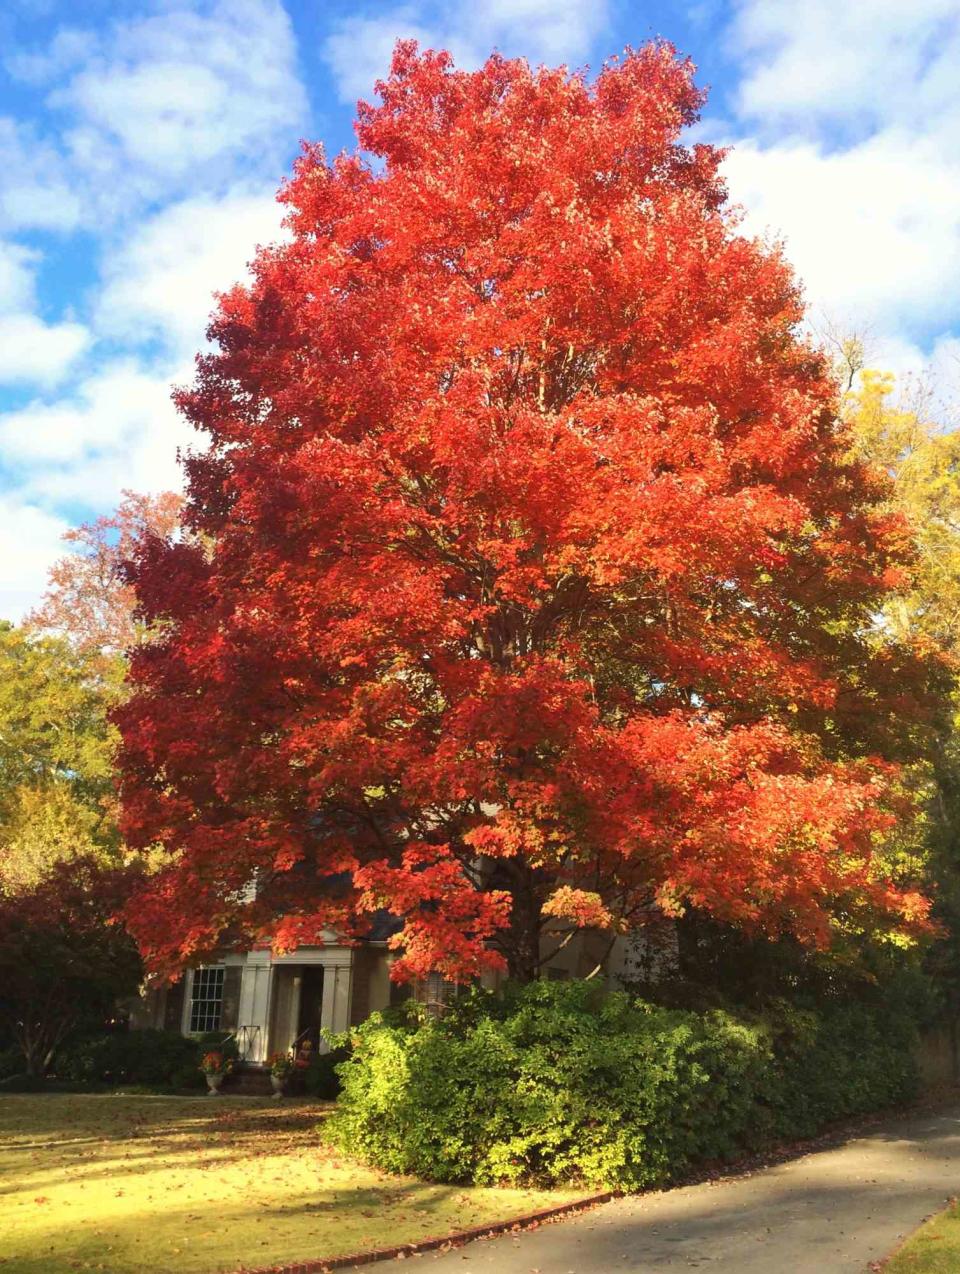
560,1082
160,1059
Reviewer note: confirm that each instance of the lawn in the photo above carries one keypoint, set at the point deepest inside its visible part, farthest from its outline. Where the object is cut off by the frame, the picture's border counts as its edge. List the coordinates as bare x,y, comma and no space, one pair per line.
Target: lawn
135,1184
934,1249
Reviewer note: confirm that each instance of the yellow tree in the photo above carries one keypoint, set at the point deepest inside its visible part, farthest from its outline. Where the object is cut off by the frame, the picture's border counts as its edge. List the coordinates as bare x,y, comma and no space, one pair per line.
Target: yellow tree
923,458
900,432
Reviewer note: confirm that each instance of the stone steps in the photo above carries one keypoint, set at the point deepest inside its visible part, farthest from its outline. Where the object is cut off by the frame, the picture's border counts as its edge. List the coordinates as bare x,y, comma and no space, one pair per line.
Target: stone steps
248,1081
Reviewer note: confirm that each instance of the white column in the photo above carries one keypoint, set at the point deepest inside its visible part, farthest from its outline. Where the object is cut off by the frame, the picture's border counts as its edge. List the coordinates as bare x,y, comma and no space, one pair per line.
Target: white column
337,979
260,1010
254,1007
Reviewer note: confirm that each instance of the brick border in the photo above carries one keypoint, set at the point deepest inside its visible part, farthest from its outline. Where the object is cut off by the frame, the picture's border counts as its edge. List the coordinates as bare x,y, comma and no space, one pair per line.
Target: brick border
529,1221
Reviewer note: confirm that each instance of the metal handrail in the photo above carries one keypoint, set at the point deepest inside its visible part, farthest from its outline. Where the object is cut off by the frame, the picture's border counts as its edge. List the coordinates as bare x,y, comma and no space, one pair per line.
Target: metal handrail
246,1037
299,1040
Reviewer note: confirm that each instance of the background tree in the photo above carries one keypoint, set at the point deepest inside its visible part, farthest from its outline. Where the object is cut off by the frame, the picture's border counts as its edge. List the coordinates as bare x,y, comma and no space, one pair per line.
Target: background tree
87,600
57,798
902,431
538,584
922,456
64,961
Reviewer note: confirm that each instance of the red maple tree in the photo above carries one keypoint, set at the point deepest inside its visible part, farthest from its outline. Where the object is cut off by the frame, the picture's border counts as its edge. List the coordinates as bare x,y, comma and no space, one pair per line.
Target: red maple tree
529,582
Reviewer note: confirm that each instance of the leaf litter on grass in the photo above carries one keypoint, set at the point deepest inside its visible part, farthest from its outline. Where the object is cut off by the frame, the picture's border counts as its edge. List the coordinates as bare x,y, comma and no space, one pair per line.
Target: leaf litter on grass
130,1200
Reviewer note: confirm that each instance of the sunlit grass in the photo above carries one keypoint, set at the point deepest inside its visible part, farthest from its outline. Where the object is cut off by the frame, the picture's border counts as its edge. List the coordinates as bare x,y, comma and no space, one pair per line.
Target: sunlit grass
934,1249
134,1184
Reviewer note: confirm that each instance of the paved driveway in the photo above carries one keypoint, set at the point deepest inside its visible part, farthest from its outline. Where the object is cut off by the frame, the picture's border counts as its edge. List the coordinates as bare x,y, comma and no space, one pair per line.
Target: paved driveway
829,1212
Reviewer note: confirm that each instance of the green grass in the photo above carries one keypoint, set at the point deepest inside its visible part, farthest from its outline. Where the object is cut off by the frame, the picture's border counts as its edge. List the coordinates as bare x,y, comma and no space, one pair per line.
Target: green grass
145,1185
934,1249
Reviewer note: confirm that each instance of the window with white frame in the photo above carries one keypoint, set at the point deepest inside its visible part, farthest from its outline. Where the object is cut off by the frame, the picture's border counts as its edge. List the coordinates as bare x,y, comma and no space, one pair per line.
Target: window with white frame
206,999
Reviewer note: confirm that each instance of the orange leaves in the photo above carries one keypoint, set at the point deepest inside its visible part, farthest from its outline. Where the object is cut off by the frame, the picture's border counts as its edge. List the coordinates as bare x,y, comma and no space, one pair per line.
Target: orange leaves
582,908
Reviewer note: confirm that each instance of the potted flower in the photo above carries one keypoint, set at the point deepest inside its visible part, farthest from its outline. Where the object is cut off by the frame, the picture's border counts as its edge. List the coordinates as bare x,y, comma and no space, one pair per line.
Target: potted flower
215,1066
281,1064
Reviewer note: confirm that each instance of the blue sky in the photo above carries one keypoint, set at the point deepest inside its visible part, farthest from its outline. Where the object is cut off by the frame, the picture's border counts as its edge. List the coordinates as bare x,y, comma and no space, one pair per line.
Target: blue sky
141,144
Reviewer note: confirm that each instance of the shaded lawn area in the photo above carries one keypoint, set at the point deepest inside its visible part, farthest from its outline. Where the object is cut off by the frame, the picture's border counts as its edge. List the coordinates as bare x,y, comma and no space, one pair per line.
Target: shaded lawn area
196,1185
934,1249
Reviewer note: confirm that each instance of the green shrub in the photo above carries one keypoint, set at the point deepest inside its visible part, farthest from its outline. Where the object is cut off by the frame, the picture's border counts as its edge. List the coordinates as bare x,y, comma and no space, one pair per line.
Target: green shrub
321,1077
159,1059
218,1041
189,1075
842,1060
11,1062
559,1082
22,1084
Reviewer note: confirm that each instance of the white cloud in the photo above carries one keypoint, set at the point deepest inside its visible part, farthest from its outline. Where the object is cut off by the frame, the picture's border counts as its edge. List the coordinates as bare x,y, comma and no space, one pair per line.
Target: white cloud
186,98
32,351
30,542
68,47
847,144
36,353
35,192
181,89
160,283
17,263
201,102
893,62
119,429
874,231
358,48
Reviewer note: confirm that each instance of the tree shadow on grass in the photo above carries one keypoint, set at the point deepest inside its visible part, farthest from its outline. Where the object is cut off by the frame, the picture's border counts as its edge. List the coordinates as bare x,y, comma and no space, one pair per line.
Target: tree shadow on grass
208,1137
239,1234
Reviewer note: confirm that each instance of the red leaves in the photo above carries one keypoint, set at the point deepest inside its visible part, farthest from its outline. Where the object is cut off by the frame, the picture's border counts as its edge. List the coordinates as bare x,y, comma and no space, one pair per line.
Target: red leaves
527,562
448,920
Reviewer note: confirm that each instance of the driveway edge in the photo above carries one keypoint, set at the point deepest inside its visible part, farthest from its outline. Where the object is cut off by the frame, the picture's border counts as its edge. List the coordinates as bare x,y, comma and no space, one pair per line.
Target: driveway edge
927,1101
529,1221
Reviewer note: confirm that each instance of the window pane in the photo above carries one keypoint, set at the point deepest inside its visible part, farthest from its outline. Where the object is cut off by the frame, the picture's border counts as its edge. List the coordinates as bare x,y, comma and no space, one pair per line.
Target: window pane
206,1001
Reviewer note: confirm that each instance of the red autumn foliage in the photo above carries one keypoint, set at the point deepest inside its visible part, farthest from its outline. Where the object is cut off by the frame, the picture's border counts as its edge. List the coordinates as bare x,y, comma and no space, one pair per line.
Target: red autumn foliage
528,576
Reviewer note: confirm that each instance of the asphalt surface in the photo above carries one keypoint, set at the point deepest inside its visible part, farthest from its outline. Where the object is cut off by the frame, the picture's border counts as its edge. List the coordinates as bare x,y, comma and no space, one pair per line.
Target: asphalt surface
832,1211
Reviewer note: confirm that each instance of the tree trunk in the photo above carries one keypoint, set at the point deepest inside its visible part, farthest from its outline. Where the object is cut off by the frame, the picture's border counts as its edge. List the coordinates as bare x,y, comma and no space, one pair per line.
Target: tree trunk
32,1050
522,943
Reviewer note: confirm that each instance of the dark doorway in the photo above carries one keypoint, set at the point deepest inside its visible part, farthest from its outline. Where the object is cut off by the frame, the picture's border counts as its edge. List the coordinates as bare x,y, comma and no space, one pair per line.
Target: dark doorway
311,1005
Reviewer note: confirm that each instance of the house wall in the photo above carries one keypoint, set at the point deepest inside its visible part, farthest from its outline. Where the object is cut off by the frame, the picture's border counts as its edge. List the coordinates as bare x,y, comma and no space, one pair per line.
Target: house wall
253,1012
261,992
261,996
371,983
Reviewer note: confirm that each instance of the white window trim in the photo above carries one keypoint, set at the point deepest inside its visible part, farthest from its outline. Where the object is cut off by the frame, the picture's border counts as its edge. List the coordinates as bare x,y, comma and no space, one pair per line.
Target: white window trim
188,1001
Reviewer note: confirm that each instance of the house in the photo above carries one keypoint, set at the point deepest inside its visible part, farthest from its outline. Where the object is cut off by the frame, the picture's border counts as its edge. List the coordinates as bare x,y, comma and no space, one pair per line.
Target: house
273,1002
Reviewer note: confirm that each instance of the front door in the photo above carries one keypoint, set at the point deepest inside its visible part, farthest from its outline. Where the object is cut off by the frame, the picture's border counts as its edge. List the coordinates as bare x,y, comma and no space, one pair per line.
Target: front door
311,1005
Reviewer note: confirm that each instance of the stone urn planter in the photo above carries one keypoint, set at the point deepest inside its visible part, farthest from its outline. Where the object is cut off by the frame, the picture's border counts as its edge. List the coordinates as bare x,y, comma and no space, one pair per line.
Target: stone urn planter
215,1066
280,1065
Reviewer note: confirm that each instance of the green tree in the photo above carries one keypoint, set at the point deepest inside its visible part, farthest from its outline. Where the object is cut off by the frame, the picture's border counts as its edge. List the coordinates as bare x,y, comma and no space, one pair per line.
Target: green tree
64,960
56,750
